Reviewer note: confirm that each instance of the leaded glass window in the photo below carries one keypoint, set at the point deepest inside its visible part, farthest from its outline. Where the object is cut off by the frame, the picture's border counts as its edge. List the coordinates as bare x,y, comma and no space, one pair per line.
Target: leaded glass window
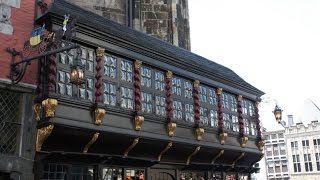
146,99
159,81
203,94
253,129
177,110
160,106
188,89
85,90
82,173
176,86
87,57
189,112
212,97
235,124
126,71
213,118
110,66
110,94
204,116
207,95
248,107
126,98
64,85
246,126
55,171
229,102
227,121
146,76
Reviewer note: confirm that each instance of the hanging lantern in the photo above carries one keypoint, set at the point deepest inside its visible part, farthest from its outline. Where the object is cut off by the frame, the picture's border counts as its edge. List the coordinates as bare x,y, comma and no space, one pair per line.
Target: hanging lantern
277,113
77,70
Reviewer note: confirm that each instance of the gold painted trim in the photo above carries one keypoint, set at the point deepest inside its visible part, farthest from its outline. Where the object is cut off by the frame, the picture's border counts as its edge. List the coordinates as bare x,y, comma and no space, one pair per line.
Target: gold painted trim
138,121
137,64
37,110
134,143
219,91
223,138
260,145
100,52
171,128
217,156
98,115
169,74
93,140
42,135
192,154
199,133
169,145
238,158
243,141
196,83
239,98
49,106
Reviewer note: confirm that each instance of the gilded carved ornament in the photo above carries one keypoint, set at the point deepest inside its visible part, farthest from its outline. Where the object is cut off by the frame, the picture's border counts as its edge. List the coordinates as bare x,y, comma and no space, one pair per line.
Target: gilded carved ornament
169,74
260,145
100,51
219,91
99,114
243,141
217,156
93,140
42,135
239,98
169,145
238,158
223,137
138,121
49,106
192,154
199,133
171,127
37,111
196,83
134,143
137,64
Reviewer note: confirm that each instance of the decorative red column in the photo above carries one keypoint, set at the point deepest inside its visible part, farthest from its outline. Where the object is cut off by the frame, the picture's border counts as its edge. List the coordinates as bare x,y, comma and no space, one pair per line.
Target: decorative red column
138,119
222,134
260,142
199,130
171,126
52,73
243,138
99,110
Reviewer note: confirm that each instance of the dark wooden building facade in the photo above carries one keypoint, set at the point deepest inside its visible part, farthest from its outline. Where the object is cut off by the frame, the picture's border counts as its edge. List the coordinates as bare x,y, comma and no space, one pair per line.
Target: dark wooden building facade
147,109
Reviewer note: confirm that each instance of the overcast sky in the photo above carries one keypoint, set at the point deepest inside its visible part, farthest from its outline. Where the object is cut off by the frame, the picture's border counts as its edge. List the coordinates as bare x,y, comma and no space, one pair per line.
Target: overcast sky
272,44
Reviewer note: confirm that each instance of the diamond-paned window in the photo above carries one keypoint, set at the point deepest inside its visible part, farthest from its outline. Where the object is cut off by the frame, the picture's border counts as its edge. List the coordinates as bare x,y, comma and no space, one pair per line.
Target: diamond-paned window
126,98
110,66
110,94
9,121
64,85
146,76
203,94
161,106
55,171
212,97
253,129
188,89
246,126
176,86
247,107
87,58
177,110
204,116
86,89
213,118
146,102
159,81
235,124
229,102
189,112
126,71
227,121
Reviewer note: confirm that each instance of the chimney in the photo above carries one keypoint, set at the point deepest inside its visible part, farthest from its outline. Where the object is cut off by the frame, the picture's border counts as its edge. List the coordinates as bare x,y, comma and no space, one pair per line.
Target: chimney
290,120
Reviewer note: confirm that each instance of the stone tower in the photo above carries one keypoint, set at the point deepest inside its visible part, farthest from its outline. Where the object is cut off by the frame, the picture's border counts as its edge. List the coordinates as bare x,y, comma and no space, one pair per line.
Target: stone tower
164,19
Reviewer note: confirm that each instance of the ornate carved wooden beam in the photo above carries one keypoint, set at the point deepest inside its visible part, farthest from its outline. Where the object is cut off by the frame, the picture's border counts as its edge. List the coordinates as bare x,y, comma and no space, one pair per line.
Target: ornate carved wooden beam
93,140
192,154
42,135
238,158
217,156
169,145
134,143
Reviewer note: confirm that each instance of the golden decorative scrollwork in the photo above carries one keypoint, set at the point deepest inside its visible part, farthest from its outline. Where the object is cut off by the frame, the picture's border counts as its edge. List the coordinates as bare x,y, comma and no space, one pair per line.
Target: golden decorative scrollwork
37,110
239,98
169,74
219,91
100,51
164,150
99,114
243,141
171,127
238,158
223,137
260,145
42,135
138,121
196,83
137,64
134,143
192,154
49,106
199,133
93,140
217,156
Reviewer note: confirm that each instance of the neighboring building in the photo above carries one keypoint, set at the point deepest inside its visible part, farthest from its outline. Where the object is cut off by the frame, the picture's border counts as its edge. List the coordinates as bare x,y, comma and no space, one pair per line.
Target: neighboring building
275,155
290,120
303,143
147,109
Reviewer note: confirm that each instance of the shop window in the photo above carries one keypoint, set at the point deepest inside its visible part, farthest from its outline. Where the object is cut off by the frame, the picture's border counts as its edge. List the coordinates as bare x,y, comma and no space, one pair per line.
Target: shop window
112,173
134,174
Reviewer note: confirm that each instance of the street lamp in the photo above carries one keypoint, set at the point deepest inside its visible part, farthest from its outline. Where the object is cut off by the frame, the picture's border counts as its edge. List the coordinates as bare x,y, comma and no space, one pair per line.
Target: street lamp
77,70
278,114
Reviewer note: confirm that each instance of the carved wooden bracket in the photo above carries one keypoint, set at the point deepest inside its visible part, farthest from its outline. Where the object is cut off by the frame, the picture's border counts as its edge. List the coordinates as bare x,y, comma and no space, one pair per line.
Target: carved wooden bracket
98,115
199,133
169,145
243,141
93,140
192,154
217,156
134,143
260,145
238,158
42,135
37,110
223,137
49,106
171,128
138,121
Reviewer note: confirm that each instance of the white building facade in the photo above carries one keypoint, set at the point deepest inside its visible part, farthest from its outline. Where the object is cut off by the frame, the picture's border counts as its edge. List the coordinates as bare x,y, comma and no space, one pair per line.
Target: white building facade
276,155
303,149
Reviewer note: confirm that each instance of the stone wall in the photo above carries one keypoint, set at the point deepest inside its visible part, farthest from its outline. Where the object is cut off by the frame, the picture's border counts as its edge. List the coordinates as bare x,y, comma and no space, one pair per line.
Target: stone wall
164,19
